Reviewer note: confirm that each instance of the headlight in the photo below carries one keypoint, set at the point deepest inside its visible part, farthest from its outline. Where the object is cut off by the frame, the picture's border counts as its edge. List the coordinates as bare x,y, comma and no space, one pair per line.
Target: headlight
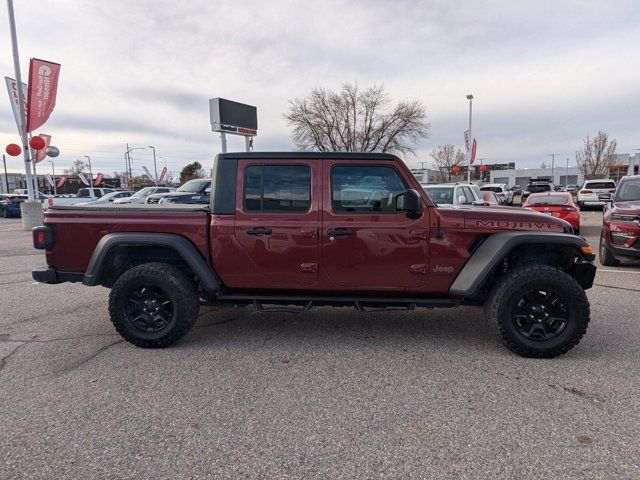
624,218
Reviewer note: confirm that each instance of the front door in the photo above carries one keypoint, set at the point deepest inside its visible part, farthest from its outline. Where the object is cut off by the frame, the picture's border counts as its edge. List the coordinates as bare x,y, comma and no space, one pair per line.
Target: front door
366,243
277,222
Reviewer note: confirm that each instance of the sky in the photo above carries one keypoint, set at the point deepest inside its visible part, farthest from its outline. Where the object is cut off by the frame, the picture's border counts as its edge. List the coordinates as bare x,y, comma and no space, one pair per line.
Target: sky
543,74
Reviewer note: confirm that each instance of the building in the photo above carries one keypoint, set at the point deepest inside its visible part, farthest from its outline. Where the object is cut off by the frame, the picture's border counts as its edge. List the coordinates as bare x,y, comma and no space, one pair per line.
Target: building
521,176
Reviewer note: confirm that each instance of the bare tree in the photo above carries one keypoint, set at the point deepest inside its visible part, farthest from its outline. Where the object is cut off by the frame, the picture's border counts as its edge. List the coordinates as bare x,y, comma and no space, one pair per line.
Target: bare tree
356,120
78,167
445,158
597,155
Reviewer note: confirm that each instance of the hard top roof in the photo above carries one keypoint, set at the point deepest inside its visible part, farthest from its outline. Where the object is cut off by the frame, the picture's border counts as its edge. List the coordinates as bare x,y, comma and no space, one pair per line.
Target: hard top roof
309,155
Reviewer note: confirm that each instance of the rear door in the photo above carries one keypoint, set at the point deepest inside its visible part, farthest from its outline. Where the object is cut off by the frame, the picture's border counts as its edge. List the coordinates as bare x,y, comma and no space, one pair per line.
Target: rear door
277,222
366,244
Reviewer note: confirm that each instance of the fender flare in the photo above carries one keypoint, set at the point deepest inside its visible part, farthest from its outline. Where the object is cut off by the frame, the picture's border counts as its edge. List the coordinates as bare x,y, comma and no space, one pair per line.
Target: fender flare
491,252
181,245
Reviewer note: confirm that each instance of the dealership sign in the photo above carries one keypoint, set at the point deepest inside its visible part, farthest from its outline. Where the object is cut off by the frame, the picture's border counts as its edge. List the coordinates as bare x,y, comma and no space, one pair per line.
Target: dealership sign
233,117
43,88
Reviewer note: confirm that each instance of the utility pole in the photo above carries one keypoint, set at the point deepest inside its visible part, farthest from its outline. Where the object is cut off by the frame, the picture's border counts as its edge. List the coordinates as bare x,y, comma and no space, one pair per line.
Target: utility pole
470,98
155,166
53,175
129,160
21,101
553,159
90,178
6,175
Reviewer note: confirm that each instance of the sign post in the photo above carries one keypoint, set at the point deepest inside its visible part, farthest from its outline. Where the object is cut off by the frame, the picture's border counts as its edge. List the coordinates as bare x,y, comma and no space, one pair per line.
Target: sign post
233,118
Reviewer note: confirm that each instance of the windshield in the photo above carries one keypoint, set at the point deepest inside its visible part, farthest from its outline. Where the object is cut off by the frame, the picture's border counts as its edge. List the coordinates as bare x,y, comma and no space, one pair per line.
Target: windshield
440,195
145,192
547,200
628,191
194,186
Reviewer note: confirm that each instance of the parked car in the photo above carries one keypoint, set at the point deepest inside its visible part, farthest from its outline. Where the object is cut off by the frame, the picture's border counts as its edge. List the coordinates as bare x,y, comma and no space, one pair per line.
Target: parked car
537,185
501,190
620,236
588,194
556,204
490,199
571,188
453,194
83,195
108,198
10,204
517,190
197,191
141,195
279,232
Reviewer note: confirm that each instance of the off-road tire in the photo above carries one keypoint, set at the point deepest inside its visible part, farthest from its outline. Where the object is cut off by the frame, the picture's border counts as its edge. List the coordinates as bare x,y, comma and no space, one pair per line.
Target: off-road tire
512,286
181,291
606,257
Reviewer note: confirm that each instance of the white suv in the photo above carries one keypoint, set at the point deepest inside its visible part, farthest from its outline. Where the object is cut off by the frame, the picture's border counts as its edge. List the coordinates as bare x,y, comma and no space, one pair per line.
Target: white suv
502,191
588,194
453,194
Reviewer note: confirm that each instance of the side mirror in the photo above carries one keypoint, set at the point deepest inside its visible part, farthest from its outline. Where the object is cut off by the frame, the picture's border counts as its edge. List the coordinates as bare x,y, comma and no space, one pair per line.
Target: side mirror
207,191
605,197
462,200
410,203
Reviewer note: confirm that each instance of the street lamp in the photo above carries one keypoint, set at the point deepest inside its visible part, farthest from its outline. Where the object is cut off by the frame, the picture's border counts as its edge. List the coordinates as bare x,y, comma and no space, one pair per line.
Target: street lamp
553,160
127,160
90,178
470,98
53,174
155,167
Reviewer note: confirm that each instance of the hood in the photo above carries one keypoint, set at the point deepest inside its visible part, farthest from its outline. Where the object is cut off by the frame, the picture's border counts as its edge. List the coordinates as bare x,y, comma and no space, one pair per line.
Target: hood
630,207
500,219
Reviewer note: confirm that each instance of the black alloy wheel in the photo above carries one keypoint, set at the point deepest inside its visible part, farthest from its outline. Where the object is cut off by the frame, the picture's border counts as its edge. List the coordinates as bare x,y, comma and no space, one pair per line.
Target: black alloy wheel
149,308
540,315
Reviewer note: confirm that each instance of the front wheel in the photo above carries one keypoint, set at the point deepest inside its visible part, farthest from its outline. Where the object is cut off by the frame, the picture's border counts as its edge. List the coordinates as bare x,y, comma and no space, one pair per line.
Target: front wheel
153,305
538,311
606,258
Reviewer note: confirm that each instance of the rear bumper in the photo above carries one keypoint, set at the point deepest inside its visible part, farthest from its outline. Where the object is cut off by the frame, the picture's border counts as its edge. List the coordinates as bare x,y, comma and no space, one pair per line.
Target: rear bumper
53,276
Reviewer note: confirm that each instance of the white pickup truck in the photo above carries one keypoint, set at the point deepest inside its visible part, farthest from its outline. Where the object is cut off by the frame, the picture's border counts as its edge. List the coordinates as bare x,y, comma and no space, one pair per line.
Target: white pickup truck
83,195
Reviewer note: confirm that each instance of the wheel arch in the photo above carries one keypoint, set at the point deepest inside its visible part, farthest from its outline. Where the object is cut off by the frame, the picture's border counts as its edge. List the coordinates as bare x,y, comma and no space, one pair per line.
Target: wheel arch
529,247
116,252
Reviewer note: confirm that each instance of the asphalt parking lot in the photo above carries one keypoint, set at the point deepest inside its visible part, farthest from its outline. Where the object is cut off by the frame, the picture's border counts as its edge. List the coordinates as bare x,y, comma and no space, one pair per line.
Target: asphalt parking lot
327,394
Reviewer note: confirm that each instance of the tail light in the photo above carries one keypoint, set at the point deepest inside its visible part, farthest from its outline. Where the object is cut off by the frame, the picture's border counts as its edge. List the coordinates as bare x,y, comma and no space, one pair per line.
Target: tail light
50,202
42,238
569,208
586,191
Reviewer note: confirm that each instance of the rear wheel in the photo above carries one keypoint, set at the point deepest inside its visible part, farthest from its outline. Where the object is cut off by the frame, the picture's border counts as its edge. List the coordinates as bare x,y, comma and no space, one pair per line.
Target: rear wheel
5,214
538,311
606,258
153,305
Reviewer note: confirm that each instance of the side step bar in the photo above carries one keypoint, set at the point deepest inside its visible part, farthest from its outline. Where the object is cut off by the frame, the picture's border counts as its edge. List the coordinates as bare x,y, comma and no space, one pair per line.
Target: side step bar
293,304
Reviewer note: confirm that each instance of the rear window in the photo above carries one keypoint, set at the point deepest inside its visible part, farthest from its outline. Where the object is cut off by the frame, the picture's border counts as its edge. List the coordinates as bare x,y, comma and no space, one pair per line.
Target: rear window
440,195
277,188
597,185
543,187
491,189
548,200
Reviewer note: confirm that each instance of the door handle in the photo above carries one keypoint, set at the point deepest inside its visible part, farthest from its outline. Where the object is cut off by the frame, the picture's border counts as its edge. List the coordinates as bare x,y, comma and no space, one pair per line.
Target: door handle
340,232
259,231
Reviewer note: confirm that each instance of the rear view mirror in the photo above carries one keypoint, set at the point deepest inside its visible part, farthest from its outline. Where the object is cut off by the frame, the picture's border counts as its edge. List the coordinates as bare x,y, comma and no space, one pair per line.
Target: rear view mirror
410,203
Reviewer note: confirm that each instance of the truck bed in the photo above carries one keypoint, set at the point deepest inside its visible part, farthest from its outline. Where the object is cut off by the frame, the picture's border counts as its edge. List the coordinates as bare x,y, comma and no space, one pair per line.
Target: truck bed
78,229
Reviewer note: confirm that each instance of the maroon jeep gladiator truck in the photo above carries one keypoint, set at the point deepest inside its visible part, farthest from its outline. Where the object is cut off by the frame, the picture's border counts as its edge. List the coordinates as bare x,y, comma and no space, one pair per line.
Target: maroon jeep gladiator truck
290,231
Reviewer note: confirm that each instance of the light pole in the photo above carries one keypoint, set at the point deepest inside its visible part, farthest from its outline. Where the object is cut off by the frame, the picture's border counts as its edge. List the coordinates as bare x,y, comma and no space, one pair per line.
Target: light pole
470,98
127,159
155,166
53,175
90,177
553,159
481,172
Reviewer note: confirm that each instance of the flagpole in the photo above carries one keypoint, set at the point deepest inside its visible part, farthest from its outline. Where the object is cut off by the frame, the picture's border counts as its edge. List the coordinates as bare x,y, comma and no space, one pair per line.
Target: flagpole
470,98
21,100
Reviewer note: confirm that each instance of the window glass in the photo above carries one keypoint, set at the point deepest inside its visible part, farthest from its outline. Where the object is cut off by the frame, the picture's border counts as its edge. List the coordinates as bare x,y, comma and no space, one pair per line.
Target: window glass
548,200
468,195
599,185
440,195
277,188
365,189
491,189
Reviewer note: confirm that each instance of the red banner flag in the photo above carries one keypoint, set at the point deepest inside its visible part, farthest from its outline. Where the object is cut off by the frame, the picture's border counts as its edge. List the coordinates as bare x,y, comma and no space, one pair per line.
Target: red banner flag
473,151
61,182
42,153
98,180
43,87
163,174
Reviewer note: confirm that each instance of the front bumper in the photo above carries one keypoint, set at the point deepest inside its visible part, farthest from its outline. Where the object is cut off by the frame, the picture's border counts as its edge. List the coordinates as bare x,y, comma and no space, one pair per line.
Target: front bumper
629,252
53,276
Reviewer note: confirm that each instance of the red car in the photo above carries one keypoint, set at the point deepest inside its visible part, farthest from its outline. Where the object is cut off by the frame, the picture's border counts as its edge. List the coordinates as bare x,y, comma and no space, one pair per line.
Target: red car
621,222
556,204
491,199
